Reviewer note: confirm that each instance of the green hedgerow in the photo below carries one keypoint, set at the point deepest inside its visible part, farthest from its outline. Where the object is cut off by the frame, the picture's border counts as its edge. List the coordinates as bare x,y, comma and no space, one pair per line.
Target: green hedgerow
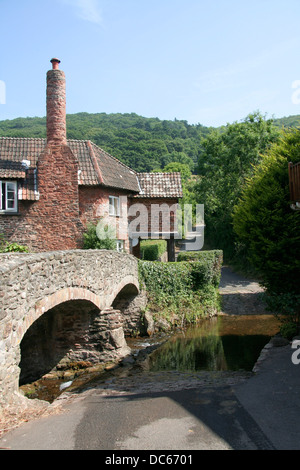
152,250
186,289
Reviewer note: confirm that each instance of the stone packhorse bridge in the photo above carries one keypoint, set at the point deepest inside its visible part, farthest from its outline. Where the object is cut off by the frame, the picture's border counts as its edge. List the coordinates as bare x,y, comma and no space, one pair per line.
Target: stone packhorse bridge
62,307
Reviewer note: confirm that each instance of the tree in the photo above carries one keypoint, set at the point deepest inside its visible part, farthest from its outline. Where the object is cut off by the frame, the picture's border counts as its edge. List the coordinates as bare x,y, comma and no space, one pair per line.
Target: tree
178,167
228,158
265,223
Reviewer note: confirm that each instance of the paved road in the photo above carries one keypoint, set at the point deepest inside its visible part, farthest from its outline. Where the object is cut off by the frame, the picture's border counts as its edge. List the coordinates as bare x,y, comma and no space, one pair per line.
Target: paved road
176,412
171,417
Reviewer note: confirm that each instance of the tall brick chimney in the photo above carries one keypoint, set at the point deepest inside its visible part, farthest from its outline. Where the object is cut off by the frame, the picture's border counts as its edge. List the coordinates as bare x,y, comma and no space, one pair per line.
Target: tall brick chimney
57,224
56,105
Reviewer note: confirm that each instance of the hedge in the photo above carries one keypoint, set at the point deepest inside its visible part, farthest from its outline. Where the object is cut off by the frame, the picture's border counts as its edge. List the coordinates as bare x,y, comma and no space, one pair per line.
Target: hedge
211,261
183,290
152,250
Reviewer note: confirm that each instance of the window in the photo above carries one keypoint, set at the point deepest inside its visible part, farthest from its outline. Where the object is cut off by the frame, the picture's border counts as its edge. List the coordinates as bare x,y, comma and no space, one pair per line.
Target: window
120,246
114,206
8,192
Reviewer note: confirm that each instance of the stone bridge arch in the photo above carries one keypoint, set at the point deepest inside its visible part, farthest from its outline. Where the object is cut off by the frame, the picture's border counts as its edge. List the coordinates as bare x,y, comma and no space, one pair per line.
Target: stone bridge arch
34,284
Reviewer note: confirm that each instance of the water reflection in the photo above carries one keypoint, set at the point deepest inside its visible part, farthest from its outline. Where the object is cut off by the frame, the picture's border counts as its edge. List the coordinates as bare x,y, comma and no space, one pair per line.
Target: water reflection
222,343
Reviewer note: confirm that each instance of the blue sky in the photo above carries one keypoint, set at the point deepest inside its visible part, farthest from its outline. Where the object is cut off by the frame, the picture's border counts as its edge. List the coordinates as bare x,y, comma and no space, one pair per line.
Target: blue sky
208,62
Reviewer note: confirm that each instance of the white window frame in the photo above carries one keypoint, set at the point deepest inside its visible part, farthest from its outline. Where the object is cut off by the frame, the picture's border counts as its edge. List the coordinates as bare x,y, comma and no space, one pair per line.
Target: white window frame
120,246
4,186
114,206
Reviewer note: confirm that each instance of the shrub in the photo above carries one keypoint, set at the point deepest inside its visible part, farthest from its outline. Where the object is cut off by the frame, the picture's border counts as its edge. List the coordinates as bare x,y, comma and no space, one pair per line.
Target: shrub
211,261
152,250
7,247
186,290
289,330
91,241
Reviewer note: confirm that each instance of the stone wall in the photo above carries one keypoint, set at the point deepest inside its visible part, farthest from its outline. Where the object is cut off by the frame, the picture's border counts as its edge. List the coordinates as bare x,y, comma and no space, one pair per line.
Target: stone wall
34,284
70,333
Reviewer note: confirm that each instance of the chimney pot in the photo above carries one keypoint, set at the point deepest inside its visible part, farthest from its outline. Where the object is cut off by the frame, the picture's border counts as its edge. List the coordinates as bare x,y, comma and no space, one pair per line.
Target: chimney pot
55,63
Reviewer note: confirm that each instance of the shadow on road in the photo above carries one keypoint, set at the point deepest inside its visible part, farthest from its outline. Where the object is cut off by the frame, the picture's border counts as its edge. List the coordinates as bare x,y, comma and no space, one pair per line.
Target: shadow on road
195,419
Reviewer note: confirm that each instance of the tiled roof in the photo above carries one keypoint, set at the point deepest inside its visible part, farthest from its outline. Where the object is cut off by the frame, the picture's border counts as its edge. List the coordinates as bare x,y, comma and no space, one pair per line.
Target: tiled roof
10,169
110,171
96,167
14,151
166,185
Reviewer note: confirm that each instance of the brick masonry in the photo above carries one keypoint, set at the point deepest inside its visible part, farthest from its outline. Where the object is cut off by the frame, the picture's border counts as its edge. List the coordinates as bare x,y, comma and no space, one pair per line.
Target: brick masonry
52,222
56,107
91,284
156,214
94,207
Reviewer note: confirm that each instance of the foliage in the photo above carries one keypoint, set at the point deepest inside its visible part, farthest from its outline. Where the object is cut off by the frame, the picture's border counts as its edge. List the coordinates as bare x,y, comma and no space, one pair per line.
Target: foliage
212,260
184,290
93,242
227,161
7,247
152,250
289,330
269,228
264,221
286,307
182,168
144,144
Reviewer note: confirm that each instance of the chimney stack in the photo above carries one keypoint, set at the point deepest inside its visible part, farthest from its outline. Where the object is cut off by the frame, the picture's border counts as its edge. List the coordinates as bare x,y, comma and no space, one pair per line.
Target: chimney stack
56,105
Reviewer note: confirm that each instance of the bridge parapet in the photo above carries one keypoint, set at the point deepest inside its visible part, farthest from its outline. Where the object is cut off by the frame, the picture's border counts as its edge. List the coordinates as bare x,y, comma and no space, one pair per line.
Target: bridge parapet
32,284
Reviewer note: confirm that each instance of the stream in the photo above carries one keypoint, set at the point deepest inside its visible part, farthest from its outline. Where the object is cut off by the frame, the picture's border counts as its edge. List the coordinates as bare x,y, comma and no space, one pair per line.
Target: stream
223,343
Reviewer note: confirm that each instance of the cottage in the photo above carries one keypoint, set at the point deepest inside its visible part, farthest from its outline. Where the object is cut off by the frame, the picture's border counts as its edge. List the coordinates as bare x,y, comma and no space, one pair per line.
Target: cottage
52,188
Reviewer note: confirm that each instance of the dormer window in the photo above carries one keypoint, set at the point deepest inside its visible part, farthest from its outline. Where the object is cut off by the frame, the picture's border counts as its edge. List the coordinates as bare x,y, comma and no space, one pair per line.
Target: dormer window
9,199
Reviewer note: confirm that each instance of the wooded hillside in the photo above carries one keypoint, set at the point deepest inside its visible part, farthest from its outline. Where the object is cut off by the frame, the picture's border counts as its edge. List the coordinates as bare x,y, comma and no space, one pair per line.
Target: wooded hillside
145,144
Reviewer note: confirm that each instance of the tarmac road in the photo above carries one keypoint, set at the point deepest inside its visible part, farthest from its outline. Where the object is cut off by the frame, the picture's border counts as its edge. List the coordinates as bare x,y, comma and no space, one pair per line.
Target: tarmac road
222,412
204,418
